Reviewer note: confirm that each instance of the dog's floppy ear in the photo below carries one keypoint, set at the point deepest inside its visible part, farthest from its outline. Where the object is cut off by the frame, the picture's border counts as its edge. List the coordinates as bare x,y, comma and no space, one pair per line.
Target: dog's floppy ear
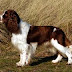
11,20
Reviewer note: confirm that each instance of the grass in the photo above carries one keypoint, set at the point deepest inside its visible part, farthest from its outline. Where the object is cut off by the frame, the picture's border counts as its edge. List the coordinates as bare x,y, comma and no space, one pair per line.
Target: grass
9,56
36,12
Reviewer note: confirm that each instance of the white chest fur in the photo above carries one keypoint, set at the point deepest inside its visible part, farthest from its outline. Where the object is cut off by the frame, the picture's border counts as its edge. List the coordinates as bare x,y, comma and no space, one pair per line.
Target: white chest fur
20,39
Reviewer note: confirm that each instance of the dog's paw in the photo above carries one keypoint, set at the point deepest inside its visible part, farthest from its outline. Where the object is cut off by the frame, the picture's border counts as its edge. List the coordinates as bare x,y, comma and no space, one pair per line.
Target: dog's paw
27,62
19,64
69,63
54,61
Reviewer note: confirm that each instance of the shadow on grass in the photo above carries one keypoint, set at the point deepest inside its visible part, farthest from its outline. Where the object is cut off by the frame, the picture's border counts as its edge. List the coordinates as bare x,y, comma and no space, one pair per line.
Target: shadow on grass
41,60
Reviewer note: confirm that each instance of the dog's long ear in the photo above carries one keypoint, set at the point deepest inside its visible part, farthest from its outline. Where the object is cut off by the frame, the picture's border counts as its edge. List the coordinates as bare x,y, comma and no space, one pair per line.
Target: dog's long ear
11,20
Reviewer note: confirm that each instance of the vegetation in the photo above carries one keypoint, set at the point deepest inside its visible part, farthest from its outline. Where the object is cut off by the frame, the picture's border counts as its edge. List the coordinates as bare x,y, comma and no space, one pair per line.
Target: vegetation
36,12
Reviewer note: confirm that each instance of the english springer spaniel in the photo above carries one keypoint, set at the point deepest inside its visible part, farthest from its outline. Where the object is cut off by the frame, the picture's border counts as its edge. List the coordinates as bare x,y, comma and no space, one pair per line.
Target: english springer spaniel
26,38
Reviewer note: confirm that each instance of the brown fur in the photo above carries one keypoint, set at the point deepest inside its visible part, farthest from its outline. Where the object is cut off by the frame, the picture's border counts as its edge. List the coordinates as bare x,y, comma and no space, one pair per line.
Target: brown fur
43,34
11,20
67,42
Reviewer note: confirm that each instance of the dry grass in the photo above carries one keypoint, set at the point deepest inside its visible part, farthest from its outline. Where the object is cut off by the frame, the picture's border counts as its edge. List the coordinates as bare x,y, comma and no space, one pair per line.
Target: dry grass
43,12
36,12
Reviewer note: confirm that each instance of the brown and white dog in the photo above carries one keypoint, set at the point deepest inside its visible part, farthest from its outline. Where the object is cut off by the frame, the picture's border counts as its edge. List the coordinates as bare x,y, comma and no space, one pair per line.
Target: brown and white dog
26,38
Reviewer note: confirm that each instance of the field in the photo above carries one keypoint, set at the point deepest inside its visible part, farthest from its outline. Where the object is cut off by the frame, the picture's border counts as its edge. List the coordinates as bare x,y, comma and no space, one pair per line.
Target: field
40,13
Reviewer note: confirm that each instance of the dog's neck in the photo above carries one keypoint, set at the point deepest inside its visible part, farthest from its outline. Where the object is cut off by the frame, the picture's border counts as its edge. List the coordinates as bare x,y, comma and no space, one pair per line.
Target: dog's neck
23,28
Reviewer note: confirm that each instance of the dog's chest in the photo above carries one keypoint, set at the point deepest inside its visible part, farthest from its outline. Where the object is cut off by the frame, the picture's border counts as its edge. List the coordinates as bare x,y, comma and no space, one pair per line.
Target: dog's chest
21,39
18,39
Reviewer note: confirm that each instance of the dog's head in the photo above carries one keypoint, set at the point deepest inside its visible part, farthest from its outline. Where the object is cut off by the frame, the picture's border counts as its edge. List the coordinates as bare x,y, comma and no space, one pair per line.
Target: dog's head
11,19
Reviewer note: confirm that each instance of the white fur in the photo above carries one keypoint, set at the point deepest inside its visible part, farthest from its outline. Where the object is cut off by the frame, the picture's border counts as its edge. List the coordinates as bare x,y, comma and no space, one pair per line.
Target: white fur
18,39
31,52
70,46
1,18
69,55
20,42
66,52
54,29
59,47
34,46
58,59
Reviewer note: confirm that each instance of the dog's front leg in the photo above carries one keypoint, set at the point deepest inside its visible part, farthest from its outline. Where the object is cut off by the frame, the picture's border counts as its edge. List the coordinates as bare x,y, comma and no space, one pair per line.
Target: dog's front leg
23,55
22,59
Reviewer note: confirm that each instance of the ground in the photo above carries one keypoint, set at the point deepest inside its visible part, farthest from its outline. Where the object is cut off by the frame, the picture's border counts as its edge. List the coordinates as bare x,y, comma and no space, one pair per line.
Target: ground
40,63
40,13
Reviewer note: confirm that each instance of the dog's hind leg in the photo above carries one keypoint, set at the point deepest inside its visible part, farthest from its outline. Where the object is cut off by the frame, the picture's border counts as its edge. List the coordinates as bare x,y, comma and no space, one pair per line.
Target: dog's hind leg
69,54
58,59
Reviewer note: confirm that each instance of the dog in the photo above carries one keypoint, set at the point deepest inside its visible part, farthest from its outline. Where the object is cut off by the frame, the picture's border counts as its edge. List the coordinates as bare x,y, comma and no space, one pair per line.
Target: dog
26,38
